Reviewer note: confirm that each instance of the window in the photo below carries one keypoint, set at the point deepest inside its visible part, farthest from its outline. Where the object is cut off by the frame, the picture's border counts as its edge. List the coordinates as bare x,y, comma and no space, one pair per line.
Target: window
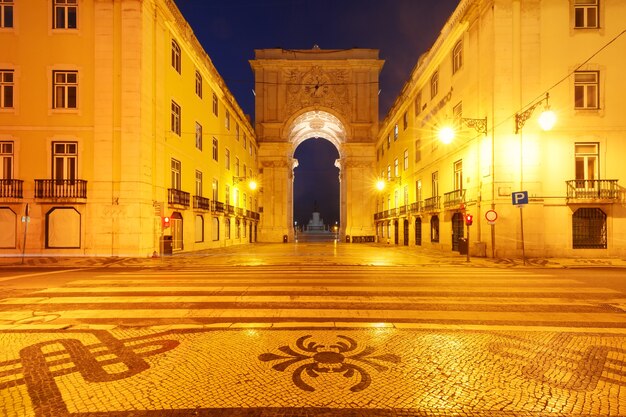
215,104
586,164
65,13
227,228
198,84
6,13
176,180
434,84
458,175
64,160
418,103
237,229
6,89
236,132
227,158
214,189
198,183
457,57
586,14
245,143
214,149
198,136
457,112
388,141
6,160
396,168
435,184
434,229
176,56
199,229
406,159
65,89
418,190
586,89
388,172
395,132
227,194
227,120
589,229
237,167
405,121
418,149
406,195
175,122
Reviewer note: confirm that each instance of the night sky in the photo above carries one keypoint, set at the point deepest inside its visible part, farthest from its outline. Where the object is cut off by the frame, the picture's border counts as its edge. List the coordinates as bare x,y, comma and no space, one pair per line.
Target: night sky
230,31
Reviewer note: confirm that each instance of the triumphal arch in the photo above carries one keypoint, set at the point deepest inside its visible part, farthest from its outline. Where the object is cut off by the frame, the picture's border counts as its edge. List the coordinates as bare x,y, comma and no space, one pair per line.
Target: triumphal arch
316,93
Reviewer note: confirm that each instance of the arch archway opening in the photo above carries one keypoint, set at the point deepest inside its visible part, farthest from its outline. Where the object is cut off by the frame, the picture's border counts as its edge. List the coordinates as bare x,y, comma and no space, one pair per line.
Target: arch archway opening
316,186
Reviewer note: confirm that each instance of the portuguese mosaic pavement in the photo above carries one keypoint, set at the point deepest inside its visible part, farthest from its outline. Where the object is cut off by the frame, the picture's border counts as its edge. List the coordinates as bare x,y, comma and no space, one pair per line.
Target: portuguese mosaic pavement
319,343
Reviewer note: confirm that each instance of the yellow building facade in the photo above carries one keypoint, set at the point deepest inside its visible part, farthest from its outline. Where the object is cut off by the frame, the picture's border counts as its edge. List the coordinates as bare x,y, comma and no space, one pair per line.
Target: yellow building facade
118,136
496,66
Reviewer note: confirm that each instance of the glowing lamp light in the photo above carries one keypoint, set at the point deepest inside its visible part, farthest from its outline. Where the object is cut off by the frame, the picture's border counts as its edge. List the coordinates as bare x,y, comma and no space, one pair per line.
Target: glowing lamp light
446,134
252,185
547,119
380,185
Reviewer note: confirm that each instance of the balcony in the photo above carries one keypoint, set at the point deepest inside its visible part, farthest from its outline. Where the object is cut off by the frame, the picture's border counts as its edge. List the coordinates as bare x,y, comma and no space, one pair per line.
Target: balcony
592,190
178,197
217,206
417,207
431,204
454,199
60,189
11,188
201,203
239,211
401,211
228,209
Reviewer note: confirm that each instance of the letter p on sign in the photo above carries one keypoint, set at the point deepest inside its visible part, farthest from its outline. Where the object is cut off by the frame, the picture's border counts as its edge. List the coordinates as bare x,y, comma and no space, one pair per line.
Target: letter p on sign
519,198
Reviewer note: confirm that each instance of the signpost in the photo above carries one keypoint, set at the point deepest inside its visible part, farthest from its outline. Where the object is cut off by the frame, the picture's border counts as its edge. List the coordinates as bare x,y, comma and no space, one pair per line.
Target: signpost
520,199
25,220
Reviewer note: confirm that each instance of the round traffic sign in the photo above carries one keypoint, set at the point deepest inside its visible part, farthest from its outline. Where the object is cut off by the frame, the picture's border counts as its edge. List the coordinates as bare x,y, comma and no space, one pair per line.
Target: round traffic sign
491,216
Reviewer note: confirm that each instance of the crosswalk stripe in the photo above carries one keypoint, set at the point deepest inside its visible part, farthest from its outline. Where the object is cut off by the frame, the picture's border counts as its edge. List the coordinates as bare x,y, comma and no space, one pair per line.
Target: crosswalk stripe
261,287
338,314
326,299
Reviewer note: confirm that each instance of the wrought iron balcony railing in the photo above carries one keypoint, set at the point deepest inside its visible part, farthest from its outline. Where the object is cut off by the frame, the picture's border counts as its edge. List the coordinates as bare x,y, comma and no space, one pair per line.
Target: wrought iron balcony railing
402,211
201,203
11,188
592,189
217,206
179,197
417,207
431,203
228,209
454,198
60,189
239,211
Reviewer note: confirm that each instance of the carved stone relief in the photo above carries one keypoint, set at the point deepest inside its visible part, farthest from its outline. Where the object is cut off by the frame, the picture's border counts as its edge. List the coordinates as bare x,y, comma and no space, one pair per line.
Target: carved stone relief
319,87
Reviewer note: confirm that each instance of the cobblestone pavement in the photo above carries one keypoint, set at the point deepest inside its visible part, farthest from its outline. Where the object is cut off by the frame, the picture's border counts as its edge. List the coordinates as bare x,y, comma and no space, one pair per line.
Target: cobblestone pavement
313,340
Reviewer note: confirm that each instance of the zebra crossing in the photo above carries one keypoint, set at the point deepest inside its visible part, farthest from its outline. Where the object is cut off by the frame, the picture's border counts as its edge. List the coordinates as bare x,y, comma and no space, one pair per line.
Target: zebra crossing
317,296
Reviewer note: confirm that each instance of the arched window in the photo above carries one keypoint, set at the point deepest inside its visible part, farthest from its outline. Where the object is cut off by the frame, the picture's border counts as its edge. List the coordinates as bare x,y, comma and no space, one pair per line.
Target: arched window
589,229
457,56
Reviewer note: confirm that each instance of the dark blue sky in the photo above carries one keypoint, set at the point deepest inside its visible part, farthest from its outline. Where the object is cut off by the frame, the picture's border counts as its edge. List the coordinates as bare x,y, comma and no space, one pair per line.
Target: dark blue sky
230,31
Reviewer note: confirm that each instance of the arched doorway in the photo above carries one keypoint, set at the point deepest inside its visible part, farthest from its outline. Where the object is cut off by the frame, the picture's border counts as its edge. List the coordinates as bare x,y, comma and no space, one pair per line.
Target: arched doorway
406,232
316,188
457,229
396,232
418,231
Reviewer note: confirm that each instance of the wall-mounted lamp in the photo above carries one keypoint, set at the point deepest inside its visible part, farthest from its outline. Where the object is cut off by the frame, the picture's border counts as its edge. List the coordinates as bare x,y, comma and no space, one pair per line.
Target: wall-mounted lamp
252,184
447,133
547,118
382,182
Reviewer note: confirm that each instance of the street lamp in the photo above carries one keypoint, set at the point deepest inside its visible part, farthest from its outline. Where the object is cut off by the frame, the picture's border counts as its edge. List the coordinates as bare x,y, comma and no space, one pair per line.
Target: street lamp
547,118
447,133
